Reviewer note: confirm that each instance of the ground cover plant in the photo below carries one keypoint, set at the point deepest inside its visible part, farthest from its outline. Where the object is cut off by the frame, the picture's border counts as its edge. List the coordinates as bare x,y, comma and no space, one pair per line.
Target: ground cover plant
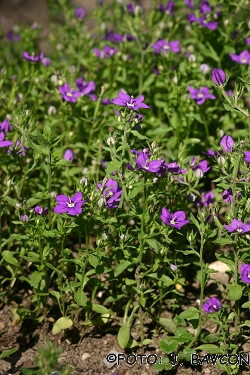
125,153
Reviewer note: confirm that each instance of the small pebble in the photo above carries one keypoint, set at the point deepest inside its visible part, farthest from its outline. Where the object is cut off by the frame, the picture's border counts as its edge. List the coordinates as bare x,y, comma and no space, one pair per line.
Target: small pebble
85,356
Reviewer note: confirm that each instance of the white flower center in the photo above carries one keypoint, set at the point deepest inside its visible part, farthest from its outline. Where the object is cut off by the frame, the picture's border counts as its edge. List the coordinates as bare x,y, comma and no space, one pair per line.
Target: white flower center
215,307
173,221
69,94
130,105
243,61
200,95
239,229
70,204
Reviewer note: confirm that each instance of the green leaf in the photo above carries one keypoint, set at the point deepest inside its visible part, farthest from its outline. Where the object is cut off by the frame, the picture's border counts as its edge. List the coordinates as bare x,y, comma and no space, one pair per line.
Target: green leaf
138,135
223,241
121,267
35,279
55,294
235,292
183,335
210,348
41,195
124,335
193,219
152,243
114,166
165,279
93,260
246,323
9,258
246,305
227,261
168,324
136,190
64,163
62,323
102,309
8,352
163,364
168,345
190,314
80,297
146,342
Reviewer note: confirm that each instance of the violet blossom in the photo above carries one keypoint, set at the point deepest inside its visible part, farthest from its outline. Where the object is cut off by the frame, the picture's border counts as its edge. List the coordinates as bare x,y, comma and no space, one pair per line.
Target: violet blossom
245,273
205,199
237,226
199,168
200,95
107,52
111,193
5,126
242,58
218,76
72,206
247,156
80,12
68,93
227,196
19,148
4,143
227,143
113,37
202,21
125,100
32,57
86,88
248,41
46,61
213,305
175,220
24,218
38,210
175,169
68,155
106,101
13,37
168,8
162,46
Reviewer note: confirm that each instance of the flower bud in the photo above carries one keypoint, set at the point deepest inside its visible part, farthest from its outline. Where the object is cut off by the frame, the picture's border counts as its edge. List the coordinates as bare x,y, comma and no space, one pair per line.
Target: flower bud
221,161
218,76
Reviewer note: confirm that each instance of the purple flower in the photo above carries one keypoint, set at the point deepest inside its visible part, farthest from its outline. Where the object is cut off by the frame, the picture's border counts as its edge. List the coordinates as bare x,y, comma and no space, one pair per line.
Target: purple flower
176,220
68,93
73,206
107,52
218,76
106,101
19,147
32,57
168,8
237,226
125,100
227,143
130,8
24,218
111,193
242,58
156,71
40,211
200,95
202,21
212,305
46,61
204,68
245,273
199,168
247,156
205,7
85,87
227,196
80,12
4,143
13,37
162,46
173,267
68,155
113,37
189,3
5,126
174,168
205,199
248,41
